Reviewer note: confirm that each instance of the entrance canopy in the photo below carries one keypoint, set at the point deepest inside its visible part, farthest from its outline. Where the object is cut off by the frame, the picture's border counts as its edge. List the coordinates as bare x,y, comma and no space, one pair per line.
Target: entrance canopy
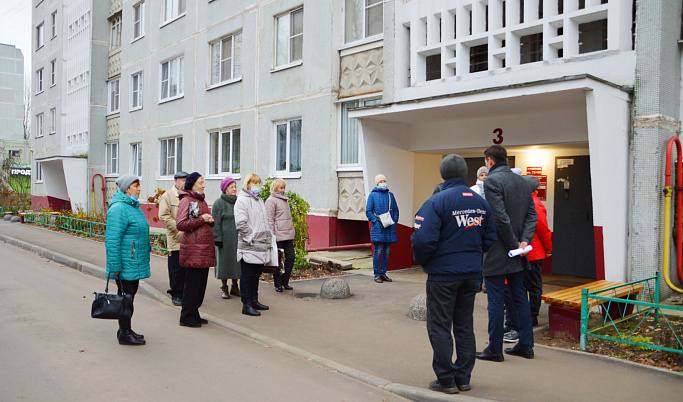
66,180
572,115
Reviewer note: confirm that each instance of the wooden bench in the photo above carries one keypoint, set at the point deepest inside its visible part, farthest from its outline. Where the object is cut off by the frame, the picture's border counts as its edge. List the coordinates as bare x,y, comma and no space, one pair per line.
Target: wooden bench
564,314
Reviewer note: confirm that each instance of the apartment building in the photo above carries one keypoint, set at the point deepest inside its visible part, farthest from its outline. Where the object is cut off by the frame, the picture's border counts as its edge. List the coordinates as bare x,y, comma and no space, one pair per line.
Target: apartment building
12,142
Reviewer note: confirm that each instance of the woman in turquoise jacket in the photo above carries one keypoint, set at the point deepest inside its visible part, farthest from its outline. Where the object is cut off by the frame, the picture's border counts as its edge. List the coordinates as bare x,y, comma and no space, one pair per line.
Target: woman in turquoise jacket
128,247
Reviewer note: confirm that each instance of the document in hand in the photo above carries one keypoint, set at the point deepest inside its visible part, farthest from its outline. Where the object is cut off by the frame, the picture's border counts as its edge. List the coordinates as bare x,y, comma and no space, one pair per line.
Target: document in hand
518,251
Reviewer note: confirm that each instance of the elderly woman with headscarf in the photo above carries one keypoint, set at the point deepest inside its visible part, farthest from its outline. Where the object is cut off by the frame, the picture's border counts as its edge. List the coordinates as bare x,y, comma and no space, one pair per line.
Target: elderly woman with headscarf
225,236
197,248
381,201
128,247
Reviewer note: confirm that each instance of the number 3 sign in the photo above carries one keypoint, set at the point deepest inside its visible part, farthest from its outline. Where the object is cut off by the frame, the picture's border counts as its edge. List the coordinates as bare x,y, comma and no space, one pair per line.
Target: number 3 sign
499,136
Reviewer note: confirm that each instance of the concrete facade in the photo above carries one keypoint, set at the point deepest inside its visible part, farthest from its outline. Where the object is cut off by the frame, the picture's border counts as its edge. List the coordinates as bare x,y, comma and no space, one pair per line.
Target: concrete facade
12,140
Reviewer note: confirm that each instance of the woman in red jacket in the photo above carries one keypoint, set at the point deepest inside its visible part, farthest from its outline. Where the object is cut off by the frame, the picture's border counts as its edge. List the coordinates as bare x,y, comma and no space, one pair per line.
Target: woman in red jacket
197,248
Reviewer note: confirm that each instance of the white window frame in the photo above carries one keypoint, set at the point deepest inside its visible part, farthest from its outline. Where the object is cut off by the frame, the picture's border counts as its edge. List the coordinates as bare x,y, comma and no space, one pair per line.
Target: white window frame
235,58
138,24
53,120
39,81
54,24
53,68
136,159
365,37
136,91
172,10
39,172
360,102
291,62
179,79
115,33
230,134
287,173
114,96
177,158
112,158
40,36
40,121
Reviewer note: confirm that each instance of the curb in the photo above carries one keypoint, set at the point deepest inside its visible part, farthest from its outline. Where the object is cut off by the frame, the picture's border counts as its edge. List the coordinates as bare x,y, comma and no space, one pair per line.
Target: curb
406,391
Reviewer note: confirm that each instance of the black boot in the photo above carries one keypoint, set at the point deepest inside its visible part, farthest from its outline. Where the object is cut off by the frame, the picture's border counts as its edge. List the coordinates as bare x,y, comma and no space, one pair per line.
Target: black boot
126,337
248,309
258,306
136,335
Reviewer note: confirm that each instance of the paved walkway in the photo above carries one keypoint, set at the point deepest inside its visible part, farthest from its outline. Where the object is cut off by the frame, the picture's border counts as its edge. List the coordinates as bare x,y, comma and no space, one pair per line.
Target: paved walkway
370,336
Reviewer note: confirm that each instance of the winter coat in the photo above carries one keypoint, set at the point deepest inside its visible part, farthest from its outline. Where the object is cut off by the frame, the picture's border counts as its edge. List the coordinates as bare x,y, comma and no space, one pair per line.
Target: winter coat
197,248
453,228
378,203
543,238
254,240
225,232
280,217
168,210
513,211
478,188
127,239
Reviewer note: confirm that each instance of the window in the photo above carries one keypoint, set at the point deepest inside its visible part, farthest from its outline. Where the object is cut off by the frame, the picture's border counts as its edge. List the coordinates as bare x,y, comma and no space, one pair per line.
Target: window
349,149
171,158
593,36
288,146
224,151
173,9
136,159
138,18
115,40
112,158
363,19
39,81
113,96
433,67
39,172
54,24
172,72
53,67
479,58
226,59
39,125
136,91
531,48
14,154
40,40
290,37
53,120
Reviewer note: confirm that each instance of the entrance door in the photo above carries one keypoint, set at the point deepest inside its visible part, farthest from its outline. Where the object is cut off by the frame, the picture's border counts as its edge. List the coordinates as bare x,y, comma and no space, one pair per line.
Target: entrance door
573,233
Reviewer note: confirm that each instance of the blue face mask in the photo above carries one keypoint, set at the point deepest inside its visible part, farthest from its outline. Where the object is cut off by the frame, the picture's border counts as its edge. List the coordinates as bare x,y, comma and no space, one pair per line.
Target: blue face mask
256,189
133,197
382,185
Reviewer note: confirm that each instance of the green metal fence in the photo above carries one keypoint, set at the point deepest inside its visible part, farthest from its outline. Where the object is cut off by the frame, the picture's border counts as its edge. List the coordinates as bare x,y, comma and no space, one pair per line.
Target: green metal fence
647,306
86,228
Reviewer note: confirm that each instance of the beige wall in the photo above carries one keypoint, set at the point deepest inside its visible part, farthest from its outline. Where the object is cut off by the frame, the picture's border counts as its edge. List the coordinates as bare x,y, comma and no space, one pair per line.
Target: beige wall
427,176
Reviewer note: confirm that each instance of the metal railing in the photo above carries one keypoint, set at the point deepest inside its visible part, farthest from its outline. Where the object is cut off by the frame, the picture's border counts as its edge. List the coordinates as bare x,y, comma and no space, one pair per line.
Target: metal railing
85,227
625,333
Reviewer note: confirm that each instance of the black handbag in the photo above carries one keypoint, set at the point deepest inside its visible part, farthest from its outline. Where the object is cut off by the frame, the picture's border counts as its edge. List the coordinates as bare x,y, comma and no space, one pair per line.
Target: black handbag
112,306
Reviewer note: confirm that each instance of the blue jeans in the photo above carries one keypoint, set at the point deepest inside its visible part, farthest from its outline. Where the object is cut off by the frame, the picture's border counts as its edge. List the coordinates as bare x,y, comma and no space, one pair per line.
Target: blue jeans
495,285
380,258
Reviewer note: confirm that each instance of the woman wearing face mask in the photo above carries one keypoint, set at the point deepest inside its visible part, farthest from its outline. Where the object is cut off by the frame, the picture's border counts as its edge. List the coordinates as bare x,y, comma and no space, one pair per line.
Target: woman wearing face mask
280,220
197,248
225,235
128,247
253,242
482,174
381,201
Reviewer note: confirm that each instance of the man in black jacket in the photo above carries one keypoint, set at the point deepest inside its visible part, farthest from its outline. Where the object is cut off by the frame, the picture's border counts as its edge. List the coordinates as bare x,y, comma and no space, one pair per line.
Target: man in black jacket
515,217
452,230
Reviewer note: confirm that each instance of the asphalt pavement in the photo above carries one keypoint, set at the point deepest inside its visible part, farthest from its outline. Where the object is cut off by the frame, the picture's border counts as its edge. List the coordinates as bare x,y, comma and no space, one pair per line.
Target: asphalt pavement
369,336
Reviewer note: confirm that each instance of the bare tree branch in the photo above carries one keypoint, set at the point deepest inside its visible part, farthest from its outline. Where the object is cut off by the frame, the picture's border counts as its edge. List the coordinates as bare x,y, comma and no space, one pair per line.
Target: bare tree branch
27,106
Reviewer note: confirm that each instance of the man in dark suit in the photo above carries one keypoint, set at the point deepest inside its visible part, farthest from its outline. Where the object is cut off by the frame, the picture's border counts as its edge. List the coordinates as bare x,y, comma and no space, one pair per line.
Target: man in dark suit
515,216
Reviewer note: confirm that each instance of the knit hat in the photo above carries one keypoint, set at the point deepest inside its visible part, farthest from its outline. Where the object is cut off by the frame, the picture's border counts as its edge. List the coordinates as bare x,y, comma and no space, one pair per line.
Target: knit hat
533,181
225,183
517,171
481,170
180,175
191,180
125,181
453,167
379,178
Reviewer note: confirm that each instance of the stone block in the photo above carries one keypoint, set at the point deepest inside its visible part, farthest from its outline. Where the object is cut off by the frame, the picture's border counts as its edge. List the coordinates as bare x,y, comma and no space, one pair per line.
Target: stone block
16,219
418,308
335,288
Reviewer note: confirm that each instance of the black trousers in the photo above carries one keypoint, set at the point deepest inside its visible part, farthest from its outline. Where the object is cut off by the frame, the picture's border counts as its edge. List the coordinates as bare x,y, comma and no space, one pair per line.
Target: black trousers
249,280
533,283
450,307
283,279
176,275
131,288
193,294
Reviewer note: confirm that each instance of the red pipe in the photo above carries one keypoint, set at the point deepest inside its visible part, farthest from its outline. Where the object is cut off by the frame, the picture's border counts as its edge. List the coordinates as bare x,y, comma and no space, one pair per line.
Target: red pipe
679,200
338,248
104,199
